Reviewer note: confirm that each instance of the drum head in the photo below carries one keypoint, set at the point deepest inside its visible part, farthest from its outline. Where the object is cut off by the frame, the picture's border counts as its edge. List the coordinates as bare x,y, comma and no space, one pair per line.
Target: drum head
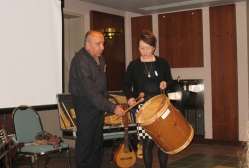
152,109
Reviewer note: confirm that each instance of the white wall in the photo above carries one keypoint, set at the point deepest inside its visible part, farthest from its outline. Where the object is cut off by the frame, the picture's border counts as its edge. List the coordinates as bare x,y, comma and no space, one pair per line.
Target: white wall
242,61
189,73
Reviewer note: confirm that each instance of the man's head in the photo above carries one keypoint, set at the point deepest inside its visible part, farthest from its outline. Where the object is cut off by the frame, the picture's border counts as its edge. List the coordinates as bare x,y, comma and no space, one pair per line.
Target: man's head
94,43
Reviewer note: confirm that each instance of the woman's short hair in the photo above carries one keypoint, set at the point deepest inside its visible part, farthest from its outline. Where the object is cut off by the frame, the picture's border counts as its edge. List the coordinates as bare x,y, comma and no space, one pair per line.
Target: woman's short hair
147,37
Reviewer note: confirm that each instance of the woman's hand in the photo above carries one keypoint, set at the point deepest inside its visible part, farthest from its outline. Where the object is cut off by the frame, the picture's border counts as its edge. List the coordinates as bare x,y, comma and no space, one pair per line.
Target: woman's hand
163,85
131,101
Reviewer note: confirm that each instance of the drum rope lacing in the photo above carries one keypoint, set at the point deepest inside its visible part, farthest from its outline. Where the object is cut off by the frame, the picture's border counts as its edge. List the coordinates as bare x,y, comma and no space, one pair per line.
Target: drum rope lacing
162,91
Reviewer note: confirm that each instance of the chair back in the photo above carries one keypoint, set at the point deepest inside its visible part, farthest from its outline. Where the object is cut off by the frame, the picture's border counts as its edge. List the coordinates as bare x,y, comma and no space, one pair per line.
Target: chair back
26,123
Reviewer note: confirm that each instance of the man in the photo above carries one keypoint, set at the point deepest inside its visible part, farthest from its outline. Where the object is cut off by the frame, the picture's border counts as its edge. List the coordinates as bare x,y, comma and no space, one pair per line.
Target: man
88,85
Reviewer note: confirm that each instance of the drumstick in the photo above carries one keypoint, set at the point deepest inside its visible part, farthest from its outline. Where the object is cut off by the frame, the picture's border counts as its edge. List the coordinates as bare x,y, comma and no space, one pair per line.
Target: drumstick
68,114
140,100
141,95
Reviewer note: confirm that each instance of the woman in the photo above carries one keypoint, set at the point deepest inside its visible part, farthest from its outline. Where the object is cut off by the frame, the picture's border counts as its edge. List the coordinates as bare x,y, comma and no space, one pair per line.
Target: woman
147,74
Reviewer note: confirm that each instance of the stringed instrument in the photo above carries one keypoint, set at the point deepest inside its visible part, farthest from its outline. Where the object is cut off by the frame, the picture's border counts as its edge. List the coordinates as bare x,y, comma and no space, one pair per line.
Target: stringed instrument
140,149
125,157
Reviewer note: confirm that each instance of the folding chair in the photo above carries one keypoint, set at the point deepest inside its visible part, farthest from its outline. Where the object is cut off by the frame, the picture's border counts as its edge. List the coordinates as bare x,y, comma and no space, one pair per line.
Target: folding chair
26,124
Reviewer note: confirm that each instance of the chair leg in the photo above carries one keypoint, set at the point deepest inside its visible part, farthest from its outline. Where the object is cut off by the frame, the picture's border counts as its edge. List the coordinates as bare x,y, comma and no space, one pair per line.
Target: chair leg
16,161
36,161
30,164
68,158
47,160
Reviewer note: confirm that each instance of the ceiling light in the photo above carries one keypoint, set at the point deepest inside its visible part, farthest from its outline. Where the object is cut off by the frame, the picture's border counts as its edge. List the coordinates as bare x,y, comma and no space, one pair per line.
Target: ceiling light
176,4
111,33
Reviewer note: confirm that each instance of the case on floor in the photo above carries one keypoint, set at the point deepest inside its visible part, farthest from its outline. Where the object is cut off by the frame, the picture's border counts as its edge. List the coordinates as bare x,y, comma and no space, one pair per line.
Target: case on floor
112,129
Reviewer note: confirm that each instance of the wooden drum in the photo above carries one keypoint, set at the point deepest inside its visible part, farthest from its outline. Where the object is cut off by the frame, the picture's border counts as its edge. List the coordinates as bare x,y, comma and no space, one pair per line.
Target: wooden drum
165,124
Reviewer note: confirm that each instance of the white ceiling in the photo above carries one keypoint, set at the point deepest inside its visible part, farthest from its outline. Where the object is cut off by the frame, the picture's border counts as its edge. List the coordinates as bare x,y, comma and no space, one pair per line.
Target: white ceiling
158,6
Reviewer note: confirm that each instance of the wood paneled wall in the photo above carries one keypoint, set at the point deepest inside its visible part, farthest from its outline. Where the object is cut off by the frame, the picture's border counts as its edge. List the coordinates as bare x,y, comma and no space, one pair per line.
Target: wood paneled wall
138,24
181,38
181,43
114,52
224,72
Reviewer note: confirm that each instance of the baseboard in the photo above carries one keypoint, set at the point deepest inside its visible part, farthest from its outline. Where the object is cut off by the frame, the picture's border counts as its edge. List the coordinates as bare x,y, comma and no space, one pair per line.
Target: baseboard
217,142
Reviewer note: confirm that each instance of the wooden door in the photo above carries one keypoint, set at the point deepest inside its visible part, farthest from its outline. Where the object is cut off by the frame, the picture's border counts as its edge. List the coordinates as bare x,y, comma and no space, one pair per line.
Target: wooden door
114,52
224,72
138,24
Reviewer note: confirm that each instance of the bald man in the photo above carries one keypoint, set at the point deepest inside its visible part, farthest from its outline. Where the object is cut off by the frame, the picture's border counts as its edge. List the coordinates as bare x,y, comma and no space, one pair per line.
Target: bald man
88,85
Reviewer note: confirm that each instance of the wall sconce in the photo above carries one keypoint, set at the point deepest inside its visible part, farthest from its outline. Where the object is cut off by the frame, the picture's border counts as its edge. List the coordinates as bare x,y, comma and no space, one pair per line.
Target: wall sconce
110,33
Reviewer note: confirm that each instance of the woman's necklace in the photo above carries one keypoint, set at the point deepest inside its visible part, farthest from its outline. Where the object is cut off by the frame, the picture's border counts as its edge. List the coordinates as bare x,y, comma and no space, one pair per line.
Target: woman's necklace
147,69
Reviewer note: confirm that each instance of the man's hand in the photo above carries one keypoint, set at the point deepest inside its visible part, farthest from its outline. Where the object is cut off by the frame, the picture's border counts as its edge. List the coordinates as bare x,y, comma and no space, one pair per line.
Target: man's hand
119,111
